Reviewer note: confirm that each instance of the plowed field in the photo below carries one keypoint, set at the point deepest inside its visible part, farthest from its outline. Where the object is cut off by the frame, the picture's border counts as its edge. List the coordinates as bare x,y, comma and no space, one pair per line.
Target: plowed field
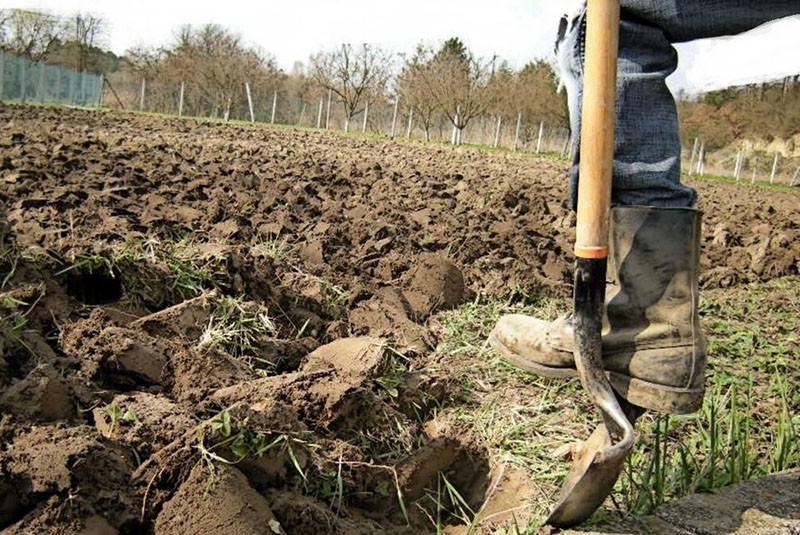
213,328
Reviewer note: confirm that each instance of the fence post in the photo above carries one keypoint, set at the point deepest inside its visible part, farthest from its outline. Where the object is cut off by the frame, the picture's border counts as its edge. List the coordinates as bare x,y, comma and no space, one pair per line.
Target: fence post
274,106
566,146
60,75
497,132
694,151
366,115
516,134
774,169
319,114
700,157
394,118
539,140
40,88
410,122
250,101
794,177
72,82
2,75
180,99
737,166
23,87
755,166
141,95
83,88
100,91
328,113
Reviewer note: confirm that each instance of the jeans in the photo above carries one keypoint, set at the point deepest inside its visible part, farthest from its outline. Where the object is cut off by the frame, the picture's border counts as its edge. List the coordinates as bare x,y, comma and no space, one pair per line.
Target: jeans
647,148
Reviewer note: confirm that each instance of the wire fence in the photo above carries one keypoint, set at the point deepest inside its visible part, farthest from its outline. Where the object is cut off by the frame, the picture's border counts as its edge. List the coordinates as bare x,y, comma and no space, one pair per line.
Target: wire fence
390,119
32,81
28,81
757,166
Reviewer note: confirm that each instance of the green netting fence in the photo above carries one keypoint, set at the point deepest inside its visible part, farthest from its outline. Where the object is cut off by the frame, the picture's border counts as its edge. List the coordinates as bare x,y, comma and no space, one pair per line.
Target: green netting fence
31,81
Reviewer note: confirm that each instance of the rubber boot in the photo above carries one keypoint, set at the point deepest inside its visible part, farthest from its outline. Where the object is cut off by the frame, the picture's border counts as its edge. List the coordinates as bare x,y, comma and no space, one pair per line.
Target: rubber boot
654,352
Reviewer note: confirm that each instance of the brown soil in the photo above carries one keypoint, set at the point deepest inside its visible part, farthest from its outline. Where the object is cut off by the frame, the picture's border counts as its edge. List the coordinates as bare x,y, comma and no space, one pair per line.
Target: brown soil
111,404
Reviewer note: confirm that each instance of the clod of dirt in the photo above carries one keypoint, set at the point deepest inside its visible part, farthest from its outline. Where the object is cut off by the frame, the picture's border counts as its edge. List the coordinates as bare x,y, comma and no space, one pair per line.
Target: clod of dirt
145,422
48,461
53,517
327,387
386,314
302,514
416,474
356,358
198,372
42,395
116,355
435,283
185,320
230,505
174,461
133,354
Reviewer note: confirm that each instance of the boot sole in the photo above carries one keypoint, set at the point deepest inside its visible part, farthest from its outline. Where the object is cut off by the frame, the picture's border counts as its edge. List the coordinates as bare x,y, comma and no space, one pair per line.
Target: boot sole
653,396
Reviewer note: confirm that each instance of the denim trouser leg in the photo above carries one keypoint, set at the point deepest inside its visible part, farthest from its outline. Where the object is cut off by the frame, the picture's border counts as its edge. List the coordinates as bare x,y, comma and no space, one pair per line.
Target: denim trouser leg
647,143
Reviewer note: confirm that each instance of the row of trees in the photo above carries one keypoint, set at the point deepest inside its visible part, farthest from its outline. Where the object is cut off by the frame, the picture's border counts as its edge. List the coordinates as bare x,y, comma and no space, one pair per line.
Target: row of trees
442,84
447,82
763,111
72,42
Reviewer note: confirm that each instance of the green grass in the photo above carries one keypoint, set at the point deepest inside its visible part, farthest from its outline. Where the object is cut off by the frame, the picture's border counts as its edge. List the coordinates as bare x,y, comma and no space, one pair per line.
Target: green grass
13,311
225,439
278,250
153,273
743,182
235,327
747,427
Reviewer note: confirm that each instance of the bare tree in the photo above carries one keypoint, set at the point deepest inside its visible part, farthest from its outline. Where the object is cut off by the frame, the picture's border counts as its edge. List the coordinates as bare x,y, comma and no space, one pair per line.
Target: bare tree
537,95
84,31
214,65
215,61
30,34
354,74
504,92
458,82
414,91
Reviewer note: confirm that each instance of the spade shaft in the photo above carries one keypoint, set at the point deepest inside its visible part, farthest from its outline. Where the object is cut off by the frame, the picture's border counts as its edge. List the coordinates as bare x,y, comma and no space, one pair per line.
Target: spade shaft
599,461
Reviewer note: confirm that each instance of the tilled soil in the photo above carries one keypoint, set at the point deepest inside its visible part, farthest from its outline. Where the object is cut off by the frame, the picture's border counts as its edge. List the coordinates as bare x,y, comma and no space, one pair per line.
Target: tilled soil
127,238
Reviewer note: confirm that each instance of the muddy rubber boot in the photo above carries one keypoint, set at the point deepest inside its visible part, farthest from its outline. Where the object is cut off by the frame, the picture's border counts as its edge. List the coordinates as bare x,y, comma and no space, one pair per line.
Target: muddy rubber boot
654,352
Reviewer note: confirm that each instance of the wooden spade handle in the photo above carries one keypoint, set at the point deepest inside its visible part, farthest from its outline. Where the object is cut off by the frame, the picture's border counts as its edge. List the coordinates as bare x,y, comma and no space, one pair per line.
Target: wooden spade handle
597,128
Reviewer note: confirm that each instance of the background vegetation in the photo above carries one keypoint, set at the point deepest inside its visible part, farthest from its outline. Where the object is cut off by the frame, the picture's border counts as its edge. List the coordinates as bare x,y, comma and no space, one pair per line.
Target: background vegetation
443,87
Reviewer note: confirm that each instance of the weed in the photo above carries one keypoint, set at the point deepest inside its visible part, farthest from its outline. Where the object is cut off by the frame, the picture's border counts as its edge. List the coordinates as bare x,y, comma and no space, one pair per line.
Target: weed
191,272
12,321
119,417
275,249
748,424
90,264
156,273
235,441
449,505
235,326
334,298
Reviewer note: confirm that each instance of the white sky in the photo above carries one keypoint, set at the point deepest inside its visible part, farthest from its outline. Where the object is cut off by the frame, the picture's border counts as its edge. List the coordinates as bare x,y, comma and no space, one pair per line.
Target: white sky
516,30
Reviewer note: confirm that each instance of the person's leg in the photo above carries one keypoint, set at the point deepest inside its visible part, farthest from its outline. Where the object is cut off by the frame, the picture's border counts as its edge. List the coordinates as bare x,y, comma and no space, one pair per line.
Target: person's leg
653,347
647,142
687,20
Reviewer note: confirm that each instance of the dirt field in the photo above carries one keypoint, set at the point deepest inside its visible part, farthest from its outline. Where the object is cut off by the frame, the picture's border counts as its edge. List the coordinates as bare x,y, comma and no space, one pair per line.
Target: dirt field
215,328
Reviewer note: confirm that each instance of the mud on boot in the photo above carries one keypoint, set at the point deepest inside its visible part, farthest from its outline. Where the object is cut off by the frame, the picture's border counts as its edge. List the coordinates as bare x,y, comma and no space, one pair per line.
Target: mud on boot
654,351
